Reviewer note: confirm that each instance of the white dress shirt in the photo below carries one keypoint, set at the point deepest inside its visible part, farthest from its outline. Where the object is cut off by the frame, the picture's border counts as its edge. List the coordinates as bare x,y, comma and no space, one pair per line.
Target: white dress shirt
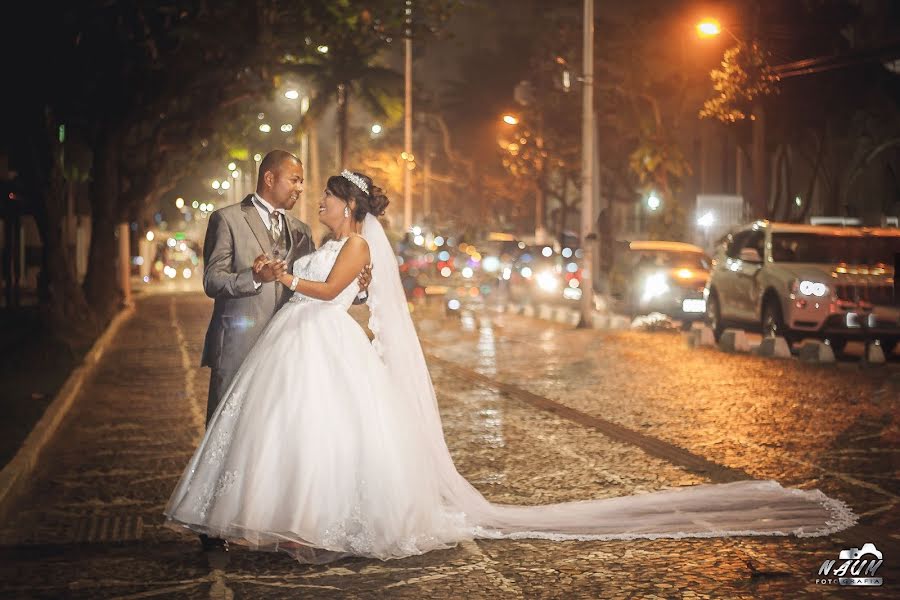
264,208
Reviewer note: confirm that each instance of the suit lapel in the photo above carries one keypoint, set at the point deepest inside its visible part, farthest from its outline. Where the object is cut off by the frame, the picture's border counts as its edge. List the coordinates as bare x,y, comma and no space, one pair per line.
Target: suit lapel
256,225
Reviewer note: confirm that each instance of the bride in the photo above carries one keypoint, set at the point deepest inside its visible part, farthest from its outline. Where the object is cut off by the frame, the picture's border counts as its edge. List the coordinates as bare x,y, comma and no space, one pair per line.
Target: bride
327,445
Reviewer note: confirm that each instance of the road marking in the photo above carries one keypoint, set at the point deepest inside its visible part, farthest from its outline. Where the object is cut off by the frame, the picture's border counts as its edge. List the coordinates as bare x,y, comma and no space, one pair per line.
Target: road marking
653,446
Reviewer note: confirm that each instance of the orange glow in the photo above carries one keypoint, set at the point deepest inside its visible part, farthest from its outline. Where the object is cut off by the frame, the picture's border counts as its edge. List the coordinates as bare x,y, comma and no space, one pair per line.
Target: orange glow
709,28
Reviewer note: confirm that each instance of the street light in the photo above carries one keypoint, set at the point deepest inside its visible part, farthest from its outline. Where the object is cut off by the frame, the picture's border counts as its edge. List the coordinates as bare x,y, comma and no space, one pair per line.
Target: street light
376,129
653,202
232,166
510,120
322,49
179,202
292,94
226,184
287,128
708,28
265,128
216,184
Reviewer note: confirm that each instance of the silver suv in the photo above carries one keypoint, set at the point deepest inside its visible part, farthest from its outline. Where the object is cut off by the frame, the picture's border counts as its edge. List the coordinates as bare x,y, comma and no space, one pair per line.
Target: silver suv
796,281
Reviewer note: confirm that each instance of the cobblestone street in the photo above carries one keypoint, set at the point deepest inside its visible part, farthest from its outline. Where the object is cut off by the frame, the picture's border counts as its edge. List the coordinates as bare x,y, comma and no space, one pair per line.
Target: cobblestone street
533,413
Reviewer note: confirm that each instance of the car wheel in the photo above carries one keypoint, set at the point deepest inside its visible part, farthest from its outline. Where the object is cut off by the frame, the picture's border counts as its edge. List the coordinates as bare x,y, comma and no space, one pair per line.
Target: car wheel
837,345
714,316
773,323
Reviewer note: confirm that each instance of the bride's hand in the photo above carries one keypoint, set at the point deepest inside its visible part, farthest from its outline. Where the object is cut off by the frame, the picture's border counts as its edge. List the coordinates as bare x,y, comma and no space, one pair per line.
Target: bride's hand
365,278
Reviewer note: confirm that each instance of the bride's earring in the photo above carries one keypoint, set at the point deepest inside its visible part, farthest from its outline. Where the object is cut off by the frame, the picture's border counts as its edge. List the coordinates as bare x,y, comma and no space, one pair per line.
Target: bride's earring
346,211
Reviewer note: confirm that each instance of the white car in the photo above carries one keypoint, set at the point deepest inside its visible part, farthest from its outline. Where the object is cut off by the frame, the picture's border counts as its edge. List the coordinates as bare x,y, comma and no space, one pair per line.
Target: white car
796,281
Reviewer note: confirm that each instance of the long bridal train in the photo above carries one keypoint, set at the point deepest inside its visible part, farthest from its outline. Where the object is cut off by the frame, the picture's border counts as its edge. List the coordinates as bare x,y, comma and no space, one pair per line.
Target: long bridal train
327,445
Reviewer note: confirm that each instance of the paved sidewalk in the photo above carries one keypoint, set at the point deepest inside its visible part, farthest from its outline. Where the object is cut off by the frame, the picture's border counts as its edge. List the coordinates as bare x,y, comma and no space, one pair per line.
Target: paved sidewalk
90,528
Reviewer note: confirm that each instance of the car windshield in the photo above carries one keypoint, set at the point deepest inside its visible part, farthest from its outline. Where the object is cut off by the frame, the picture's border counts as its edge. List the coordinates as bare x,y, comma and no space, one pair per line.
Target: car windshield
832,249
669,259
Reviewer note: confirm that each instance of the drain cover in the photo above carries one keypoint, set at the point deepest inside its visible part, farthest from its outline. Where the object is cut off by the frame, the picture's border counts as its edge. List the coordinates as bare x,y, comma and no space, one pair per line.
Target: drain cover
101,530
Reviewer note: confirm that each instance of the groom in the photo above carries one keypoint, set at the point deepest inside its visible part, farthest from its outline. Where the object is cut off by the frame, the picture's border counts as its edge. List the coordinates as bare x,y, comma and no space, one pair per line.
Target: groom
245,298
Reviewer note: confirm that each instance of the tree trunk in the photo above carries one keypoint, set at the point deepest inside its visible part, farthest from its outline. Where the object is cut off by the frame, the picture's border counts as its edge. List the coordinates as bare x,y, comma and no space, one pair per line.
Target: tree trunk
101,282
62,299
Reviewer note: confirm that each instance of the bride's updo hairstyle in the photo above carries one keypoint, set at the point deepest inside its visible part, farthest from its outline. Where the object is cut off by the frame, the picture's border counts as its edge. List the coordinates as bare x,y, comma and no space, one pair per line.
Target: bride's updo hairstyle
374,201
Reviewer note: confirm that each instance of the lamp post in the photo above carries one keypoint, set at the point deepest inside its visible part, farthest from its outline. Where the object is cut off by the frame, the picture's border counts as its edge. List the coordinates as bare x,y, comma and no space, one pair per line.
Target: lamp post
407,123
588,236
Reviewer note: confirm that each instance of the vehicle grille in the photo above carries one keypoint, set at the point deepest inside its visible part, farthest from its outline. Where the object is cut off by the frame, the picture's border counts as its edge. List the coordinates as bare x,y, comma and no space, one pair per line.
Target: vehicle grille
874,294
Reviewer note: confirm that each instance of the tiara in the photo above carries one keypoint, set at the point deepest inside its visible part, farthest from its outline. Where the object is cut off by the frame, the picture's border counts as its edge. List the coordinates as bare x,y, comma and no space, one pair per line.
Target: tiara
355,180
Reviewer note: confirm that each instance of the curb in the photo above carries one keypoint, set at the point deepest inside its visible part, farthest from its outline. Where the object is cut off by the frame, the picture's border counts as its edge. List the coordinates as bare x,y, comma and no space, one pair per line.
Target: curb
19,470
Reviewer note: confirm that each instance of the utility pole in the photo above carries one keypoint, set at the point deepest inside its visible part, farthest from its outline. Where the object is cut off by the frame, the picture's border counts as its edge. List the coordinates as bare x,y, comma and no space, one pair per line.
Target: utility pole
407,126
588,236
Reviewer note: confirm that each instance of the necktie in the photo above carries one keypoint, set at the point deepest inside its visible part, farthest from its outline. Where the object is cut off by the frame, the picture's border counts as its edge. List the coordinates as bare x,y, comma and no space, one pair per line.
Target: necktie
275,221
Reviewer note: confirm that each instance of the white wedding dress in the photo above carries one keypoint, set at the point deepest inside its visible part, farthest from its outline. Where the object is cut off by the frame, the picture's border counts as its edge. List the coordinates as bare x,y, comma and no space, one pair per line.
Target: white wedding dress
328,445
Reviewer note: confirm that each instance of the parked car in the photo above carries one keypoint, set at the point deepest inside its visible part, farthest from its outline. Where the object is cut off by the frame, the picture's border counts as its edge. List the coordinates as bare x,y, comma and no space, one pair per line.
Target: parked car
660,276
796,281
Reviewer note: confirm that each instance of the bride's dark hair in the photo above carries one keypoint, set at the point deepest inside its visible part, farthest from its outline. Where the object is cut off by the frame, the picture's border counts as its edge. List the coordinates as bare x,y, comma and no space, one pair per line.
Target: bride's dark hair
375,201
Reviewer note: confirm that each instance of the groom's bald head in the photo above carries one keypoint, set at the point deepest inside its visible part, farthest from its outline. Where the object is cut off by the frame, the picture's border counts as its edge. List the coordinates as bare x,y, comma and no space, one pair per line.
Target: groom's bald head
273,162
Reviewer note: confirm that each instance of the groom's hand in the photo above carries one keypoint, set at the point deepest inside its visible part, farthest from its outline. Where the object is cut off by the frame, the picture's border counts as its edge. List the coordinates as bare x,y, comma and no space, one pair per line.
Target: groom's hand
266,270
365,278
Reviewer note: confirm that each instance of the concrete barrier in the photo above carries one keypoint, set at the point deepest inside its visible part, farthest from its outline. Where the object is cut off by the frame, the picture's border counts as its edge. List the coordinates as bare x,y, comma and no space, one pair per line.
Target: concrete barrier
874,354
734,340
816,351
601,321
699,337
619,322
774,347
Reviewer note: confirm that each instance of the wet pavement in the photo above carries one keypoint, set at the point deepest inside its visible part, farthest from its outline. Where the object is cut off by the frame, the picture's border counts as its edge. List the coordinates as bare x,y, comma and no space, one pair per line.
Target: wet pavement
90,526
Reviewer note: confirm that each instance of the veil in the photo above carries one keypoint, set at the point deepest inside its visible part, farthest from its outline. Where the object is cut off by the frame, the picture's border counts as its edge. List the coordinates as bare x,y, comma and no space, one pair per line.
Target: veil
710,510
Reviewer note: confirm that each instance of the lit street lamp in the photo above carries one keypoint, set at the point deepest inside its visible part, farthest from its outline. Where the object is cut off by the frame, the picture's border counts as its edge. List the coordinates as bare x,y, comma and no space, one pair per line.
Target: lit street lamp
510,120
265,128
179,203
216,184
708,28
653,202
292,94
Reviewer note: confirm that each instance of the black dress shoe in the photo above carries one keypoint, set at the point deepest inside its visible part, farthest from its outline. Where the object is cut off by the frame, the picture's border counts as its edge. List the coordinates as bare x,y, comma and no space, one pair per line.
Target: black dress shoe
211,543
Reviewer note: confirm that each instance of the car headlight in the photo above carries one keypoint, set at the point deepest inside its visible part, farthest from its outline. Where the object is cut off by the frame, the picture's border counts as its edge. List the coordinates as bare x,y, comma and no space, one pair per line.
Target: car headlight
547,281
654,286
812,288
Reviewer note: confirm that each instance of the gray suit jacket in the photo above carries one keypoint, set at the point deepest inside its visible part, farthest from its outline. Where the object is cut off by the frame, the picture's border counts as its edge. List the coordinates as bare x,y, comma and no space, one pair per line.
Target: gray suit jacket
235,236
